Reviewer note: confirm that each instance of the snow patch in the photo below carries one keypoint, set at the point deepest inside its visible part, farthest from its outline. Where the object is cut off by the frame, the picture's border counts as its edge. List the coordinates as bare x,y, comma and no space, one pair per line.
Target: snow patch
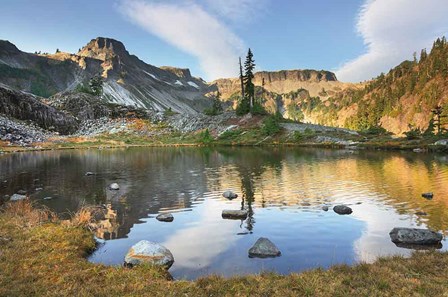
193,84
179,83
150,74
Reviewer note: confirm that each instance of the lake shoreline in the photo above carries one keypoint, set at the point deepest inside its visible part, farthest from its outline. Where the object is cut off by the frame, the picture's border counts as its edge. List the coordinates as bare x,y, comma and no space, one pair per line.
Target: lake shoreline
42,255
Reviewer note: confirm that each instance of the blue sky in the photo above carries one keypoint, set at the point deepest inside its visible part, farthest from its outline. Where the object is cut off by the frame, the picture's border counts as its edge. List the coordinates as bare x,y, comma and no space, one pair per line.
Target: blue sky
357,39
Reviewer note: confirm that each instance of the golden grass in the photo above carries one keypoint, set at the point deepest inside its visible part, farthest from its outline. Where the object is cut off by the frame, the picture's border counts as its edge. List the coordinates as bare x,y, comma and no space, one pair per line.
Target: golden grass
40,257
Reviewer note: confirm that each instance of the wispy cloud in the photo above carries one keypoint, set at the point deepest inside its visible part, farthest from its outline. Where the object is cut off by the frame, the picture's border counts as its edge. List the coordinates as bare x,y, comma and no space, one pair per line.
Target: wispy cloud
192,28
237,10
392,31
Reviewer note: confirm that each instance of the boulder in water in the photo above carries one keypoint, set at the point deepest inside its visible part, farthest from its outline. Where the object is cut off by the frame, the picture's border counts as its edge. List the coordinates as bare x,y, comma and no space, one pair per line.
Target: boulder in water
234,214
114,187
229,195
165,217
149,252
415,236
342,209
264,248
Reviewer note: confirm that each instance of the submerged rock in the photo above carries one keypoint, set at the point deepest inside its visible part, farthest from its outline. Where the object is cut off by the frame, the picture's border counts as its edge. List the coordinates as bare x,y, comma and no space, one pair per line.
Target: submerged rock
342,209
229,195
149,252
234,214
325,208
428,195
165,217
415,236
114,187
17,197
264,248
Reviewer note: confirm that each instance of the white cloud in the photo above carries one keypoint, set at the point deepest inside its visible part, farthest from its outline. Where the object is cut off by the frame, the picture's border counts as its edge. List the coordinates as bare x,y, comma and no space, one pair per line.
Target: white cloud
392,31
192,29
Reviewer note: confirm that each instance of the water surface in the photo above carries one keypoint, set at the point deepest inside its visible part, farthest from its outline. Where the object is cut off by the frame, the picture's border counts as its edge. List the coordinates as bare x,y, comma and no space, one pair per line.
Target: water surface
284,190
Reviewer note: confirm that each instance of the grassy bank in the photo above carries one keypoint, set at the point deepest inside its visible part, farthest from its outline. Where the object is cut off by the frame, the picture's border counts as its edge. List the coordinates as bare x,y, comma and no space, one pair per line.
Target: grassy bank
42,256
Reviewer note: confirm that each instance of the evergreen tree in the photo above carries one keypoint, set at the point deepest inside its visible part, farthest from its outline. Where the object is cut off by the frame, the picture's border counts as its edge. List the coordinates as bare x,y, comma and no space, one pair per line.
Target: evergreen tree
96,85
249,66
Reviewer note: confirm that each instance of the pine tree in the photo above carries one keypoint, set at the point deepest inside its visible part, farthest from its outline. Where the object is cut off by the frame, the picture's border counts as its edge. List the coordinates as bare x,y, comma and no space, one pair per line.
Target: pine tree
249,66
217,106
96,85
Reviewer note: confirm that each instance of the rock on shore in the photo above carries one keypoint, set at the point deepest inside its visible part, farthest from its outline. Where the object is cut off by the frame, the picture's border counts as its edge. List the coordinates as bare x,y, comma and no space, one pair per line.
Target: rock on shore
149,252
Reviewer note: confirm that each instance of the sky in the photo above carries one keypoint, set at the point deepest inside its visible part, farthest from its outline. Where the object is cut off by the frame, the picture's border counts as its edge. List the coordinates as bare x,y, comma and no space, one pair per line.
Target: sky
356,39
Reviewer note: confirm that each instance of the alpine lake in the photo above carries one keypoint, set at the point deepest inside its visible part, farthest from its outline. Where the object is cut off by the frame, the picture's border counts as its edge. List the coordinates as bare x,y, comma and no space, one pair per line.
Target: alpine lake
284,189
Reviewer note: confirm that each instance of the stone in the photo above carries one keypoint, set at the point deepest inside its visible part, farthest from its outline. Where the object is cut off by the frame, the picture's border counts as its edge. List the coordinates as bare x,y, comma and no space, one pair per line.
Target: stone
264,248
234,214
17,197
149,252
114,187
48,198
418,150
165,217
441,142
428,195
88,173
421,213
325,208
229,195
342,210
21,192
39,189
415,236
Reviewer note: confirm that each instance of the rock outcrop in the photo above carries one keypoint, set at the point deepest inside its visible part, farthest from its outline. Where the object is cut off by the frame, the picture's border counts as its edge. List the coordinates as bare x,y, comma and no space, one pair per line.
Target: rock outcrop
23,106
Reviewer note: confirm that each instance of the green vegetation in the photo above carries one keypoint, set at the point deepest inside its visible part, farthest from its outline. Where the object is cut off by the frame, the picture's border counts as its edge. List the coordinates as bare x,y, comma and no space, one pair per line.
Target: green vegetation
44,256
216,106
271,125
94,87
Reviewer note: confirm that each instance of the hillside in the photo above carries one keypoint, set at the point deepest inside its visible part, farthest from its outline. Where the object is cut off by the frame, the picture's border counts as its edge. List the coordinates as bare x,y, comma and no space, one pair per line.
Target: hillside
398,101
127,79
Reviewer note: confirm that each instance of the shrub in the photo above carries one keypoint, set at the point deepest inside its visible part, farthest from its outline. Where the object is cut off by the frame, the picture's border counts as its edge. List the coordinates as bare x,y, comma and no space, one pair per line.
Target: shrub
258,109
413,134
270,126
229,134
205,137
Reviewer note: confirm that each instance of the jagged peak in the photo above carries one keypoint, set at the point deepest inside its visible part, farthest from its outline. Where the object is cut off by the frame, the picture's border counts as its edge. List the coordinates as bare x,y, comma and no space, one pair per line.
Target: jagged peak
103,48
297,74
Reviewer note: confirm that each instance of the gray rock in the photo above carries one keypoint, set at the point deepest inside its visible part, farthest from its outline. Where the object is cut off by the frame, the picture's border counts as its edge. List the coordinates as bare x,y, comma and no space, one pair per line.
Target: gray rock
39,189
325,208
149,252
165,217
17,197
264,248
415,236
342,209
441,142
234,214
229,195
428,195
88,173
114,187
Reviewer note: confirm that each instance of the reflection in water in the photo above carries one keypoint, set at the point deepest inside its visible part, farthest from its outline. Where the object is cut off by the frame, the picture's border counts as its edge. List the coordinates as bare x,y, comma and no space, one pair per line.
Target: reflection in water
283,190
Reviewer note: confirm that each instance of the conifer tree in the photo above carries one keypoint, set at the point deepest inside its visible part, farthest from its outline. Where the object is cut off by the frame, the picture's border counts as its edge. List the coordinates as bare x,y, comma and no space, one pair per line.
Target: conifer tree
249,66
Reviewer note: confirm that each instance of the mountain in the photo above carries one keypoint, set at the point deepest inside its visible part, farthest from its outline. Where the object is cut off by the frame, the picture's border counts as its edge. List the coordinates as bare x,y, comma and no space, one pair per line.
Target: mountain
127,79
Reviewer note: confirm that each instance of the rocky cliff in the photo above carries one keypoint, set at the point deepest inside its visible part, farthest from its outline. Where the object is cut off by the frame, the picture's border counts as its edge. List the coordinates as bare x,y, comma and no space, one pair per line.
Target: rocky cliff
27,107
285,81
